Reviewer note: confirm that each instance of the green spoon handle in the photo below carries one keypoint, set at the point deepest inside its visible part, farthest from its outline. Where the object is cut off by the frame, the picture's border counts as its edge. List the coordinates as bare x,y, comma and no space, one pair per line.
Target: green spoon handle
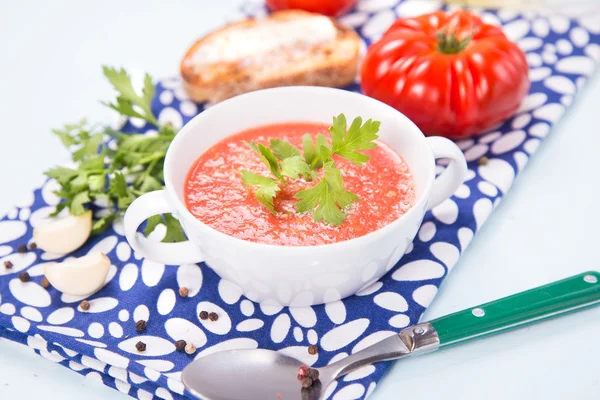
533,305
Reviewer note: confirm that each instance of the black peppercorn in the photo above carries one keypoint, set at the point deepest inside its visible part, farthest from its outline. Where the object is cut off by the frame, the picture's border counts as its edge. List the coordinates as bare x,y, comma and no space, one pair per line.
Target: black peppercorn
45,283
213,316
203,314
140,326
32,246
8,264
85,305
180,345
24,277
140,346
313,374
312,350
22,248
306,382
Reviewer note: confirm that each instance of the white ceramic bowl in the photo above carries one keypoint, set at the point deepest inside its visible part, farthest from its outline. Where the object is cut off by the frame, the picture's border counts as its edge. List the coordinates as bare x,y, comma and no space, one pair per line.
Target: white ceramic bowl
287,275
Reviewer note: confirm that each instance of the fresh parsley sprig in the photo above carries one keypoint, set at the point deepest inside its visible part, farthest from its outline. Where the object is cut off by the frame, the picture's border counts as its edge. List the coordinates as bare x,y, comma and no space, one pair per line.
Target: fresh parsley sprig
117,174
128,100
328,198
267,188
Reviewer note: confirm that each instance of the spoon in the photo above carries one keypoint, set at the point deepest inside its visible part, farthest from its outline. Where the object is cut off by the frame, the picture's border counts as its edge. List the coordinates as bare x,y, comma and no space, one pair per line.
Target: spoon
260,374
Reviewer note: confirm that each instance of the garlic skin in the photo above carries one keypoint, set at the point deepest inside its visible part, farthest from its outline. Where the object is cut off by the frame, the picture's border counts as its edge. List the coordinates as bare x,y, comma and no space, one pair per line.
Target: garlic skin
80,276
64,235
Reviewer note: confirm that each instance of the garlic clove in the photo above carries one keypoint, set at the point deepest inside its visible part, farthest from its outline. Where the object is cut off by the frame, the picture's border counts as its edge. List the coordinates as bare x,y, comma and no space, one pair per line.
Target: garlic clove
80,276
64,235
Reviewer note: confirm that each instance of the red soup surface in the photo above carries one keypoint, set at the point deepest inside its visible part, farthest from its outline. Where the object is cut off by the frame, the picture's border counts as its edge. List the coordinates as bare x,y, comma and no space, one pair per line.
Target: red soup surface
215,193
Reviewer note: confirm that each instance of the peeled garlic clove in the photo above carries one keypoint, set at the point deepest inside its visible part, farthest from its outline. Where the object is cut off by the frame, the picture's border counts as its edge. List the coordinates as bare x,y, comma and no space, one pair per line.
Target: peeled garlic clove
64,235
80,276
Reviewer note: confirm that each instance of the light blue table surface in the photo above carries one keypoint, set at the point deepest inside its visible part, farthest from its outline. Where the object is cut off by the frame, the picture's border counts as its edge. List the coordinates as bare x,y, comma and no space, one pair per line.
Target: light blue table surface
545,229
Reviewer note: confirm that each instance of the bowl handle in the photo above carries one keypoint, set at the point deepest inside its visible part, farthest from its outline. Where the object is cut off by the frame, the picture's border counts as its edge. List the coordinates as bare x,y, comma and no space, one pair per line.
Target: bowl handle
141,209
454,175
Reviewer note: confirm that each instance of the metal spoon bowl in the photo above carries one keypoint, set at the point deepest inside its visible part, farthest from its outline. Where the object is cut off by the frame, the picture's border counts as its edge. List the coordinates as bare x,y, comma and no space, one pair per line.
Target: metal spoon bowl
265,374
246,374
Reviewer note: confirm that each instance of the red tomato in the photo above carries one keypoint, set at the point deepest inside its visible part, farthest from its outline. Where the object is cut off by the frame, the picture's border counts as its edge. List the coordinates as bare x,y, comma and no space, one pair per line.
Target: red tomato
326,7
451,74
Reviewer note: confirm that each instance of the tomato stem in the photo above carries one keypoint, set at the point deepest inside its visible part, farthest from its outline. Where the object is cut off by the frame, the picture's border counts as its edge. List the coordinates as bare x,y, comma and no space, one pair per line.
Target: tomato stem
448,43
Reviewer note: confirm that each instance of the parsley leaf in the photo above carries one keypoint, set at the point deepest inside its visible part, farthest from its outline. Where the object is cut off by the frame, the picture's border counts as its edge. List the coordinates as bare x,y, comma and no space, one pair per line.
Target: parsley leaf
318,153
267,188
267,157
118,188
308,149
294,166
78,202
59,208
88,148
359,137
252,146
128,99
148,90
80,183
100,225
96,183
149,184
328,197
61,174
283,149
92,163
69,134
174,231
152,223
118,185
324,153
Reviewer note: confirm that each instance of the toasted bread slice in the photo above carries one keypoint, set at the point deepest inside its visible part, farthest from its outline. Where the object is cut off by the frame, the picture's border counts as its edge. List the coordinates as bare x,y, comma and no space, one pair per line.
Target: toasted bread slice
288,48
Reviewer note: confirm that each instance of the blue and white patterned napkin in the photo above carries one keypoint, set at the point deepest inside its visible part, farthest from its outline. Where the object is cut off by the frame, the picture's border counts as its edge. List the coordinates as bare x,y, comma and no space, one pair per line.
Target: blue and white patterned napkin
100,343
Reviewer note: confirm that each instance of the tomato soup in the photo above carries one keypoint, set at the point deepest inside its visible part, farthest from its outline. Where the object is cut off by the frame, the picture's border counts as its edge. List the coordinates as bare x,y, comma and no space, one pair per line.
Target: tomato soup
215,194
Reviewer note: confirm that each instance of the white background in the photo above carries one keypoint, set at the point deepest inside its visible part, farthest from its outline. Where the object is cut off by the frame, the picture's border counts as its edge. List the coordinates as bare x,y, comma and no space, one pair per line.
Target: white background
545,229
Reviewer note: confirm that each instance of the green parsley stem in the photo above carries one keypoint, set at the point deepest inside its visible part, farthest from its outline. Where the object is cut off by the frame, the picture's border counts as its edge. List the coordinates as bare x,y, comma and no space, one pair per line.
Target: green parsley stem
152,158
